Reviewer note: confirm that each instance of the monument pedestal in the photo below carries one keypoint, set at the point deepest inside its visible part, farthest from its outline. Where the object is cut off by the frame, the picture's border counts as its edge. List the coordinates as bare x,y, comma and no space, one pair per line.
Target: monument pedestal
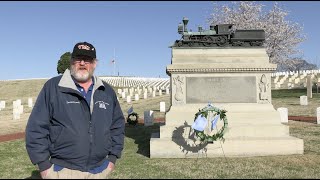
235,79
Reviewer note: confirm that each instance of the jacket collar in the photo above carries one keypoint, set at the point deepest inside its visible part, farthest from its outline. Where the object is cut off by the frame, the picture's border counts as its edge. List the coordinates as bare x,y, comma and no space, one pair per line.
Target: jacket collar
67,82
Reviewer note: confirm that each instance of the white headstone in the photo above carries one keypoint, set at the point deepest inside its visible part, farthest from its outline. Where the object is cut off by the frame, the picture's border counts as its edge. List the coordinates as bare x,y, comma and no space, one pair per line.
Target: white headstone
2,104
119,91
283,114
160,92
162,107
128,99
20,109
30,103
167,91
304,100
15,113
15,104
318,115
123,95
136,97
145,95
153,93
148,118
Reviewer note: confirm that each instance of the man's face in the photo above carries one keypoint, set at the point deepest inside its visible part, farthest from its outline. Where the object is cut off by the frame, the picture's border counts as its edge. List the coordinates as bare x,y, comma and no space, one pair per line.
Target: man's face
82,68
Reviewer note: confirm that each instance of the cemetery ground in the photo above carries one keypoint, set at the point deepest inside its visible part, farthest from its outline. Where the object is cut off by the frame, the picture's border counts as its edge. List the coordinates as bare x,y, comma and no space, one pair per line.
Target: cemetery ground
135,161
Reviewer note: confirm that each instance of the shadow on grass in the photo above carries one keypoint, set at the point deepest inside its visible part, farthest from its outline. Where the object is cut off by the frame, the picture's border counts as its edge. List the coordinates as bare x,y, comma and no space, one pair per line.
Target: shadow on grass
185,146
35,175
142,134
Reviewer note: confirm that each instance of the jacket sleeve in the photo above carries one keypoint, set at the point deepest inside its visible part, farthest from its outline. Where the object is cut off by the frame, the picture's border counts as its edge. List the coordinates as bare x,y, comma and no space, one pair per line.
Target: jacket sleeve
116,132
37,131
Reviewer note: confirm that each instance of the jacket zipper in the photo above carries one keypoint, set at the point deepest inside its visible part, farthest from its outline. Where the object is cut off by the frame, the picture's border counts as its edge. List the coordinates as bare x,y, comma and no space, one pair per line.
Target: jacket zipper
91,137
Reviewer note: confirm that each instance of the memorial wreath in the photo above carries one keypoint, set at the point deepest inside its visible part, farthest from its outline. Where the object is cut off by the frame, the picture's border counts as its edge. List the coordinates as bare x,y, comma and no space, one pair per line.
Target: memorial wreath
132,121
201,121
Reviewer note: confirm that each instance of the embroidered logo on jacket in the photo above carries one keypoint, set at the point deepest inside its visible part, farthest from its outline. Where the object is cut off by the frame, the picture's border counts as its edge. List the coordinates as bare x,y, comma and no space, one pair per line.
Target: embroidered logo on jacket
73,102
102,104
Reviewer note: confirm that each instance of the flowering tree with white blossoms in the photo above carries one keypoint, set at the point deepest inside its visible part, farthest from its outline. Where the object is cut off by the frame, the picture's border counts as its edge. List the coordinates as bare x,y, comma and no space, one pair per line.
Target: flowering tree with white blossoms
282,36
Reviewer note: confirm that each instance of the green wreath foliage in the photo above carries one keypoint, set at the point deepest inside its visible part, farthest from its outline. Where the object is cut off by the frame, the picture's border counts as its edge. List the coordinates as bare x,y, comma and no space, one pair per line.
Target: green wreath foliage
219,135
130,120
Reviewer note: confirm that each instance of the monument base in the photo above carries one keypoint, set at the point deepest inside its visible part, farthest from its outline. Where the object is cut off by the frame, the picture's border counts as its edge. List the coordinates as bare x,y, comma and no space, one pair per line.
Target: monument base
253,130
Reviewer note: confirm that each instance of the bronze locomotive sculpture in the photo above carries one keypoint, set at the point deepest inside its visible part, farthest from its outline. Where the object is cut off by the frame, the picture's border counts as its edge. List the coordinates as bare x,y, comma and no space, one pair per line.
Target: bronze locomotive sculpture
218,36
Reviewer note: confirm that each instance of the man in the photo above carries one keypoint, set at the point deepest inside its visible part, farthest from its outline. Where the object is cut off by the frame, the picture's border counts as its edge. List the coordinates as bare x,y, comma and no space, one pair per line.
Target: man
76,128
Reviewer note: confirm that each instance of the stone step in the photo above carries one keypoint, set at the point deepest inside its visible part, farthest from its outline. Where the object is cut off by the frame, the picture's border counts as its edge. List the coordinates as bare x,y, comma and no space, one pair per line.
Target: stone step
233,147
232,131
249,118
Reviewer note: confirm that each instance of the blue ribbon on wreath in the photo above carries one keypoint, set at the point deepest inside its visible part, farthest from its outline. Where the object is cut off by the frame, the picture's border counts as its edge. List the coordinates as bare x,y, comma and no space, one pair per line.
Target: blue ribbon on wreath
200,123
214,121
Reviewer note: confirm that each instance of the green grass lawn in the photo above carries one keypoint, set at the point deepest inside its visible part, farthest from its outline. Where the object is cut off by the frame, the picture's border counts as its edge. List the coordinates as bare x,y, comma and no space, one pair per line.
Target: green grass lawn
291,99
135,161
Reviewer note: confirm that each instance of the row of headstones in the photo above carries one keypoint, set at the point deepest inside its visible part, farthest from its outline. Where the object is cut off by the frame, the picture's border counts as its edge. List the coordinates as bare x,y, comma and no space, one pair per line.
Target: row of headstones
135,81
148,117
134,84
295,72
296,78
293,81
309,85
137,89
17,108
141,84
284,114
137,96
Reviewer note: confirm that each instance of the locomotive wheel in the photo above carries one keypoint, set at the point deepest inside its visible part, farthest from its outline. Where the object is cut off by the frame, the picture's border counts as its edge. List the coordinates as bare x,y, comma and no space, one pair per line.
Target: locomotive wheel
256,43
237,43
190,44
222,40
207,41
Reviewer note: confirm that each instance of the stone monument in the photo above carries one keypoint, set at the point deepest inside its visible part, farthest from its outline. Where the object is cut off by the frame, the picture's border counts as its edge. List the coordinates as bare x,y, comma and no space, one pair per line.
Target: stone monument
233,77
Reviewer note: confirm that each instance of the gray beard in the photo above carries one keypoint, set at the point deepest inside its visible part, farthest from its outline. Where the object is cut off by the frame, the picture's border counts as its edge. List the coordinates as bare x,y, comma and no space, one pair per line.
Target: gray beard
79,76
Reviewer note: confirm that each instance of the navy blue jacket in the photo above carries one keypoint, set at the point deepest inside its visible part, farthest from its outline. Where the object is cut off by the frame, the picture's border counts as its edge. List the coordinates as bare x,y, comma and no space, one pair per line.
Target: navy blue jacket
63,129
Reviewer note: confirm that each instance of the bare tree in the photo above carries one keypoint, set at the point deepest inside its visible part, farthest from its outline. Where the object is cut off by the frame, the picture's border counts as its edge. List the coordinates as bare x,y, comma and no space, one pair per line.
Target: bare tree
282,36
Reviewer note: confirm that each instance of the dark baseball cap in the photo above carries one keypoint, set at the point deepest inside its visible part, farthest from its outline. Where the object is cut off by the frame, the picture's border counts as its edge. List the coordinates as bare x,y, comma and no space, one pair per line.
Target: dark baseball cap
84,49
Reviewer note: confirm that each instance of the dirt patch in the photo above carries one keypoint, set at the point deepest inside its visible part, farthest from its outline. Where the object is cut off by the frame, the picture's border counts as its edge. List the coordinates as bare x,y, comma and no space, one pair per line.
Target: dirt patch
9,137
302,118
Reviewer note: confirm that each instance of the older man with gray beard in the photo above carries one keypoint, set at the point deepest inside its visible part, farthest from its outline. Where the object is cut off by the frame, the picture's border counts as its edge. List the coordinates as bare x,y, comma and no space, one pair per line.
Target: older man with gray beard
76,128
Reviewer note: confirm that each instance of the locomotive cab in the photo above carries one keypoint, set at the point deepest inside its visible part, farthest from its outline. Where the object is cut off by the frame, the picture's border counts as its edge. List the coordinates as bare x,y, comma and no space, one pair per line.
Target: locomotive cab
223,28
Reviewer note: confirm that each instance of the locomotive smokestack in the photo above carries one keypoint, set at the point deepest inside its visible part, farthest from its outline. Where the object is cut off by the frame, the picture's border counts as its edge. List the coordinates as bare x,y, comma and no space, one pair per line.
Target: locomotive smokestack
185,22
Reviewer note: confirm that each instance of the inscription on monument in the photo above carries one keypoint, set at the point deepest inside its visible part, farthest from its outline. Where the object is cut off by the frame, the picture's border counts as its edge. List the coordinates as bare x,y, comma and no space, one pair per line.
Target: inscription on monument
221,89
